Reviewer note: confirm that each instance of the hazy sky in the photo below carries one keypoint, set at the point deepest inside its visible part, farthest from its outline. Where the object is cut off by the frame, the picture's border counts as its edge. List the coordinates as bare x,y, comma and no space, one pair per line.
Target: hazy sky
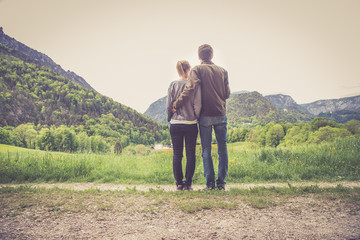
128,49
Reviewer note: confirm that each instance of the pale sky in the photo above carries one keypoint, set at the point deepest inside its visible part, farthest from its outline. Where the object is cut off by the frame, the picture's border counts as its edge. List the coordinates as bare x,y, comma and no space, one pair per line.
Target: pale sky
128,49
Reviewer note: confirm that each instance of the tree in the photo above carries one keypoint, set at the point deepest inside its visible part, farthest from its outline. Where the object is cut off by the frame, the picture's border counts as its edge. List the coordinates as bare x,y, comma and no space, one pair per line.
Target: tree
319,122
274,135
256,135
117,148
297,135
98,144
26,134
69,143
238,134
353,126
46,140
5,137
65,139
326,134
84,142
124,140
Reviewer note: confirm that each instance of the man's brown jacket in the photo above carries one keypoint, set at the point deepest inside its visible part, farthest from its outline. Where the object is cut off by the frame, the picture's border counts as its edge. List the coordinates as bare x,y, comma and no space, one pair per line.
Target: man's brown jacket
214,84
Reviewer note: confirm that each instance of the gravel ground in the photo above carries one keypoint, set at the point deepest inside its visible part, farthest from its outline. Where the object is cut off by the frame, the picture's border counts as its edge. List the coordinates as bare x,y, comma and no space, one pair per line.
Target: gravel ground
129,217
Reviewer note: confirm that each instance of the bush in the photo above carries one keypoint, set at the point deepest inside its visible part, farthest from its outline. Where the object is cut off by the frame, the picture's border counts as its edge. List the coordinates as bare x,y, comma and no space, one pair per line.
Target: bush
142,150
137,150
326,134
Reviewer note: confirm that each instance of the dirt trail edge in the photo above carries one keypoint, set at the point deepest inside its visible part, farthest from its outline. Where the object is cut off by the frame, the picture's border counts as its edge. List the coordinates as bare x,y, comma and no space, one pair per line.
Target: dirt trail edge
146,187
43,215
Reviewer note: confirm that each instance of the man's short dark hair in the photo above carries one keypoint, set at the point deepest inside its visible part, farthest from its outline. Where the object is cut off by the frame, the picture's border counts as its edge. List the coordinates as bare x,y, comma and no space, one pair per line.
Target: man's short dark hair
205,52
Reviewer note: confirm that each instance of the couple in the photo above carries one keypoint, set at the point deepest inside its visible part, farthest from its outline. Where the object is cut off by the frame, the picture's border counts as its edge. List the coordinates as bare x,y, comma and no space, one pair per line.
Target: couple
199,97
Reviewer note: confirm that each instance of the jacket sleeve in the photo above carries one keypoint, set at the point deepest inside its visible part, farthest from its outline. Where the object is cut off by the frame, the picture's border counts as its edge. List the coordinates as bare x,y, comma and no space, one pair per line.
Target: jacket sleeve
169,103
189,90
197,102
227,88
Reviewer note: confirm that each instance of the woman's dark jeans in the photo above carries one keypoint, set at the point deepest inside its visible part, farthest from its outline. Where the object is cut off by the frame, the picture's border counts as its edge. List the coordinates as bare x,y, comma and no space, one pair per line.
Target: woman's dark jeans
179,133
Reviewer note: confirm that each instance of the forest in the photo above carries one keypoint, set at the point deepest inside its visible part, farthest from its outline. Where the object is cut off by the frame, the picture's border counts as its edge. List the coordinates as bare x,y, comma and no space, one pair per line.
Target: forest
41,109
275,134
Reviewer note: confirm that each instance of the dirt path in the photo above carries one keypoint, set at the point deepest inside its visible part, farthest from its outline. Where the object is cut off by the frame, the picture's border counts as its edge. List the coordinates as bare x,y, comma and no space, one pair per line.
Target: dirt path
145,187
74,215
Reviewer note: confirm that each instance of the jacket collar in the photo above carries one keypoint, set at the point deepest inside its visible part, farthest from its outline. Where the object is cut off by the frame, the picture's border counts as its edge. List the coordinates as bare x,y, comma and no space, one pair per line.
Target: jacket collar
206,62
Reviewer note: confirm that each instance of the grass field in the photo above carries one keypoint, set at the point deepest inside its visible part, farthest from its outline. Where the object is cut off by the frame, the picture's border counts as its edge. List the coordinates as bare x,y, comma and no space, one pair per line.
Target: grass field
339,160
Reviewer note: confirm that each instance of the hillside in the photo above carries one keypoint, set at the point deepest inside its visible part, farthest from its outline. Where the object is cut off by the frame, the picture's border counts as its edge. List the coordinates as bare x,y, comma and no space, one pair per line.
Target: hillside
30,55
32,93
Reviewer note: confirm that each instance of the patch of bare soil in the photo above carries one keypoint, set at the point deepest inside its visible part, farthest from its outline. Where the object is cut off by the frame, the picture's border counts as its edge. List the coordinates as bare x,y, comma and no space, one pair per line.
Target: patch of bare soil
135,216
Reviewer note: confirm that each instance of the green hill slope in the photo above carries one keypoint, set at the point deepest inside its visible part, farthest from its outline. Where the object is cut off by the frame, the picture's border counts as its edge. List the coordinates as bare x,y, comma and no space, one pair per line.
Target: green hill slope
36,94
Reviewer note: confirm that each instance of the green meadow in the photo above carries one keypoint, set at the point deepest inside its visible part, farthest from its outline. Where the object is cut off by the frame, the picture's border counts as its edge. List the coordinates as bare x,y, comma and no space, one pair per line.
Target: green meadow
334,161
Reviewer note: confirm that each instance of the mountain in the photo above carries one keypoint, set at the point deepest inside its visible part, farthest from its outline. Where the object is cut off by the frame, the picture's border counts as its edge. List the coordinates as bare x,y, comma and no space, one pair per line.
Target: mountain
340,110
242,106
157,111
333,105
293,111
30,55
281,101
238,92
247,107
32,93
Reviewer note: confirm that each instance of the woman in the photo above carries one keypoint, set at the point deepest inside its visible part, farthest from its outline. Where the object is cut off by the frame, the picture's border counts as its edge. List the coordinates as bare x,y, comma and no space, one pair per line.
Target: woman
183,126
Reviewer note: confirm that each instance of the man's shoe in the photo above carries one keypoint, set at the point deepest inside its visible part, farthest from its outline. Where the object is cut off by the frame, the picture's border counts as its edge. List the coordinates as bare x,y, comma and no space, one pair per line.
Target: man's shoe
221,187
188,188
209,188
179,187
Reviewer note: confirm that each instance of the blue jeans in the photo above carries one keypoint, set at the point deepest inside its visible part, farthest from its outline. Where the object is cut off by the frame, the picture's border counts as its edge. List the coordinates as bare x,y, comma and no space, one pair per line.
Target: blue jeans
206,124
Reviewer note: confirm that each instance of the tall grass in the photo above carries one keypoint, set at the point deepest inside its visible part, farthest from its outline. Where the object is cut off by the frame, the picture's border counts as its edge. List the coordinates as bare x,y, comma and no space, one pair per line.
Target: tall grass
39,166
339,160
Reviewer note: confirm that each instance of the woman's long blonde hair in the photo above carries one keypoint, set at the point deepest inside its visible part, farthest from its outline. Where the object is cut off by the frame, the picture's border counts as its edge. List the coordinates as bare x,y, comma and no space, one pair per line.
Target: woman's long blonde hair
183,68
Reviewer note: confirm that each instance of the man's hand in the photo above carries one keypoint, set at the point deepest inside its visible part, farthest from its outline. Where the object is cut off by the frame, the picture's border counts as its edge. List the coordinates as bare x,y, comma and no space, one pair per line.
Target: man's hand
173,108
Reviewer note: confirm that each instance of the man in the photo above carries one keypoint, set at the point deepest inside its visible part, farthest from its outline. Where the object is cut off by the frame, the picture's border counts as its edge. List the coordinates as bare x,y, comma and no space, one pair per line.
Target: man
215,90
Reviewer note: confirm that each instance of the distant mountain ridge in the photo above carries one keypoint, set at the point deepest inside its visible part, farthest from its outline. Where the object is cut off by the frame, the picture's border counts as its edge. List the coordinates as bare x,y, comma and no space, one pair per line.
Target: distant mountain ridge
333,105
248,106
339,110
28,54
